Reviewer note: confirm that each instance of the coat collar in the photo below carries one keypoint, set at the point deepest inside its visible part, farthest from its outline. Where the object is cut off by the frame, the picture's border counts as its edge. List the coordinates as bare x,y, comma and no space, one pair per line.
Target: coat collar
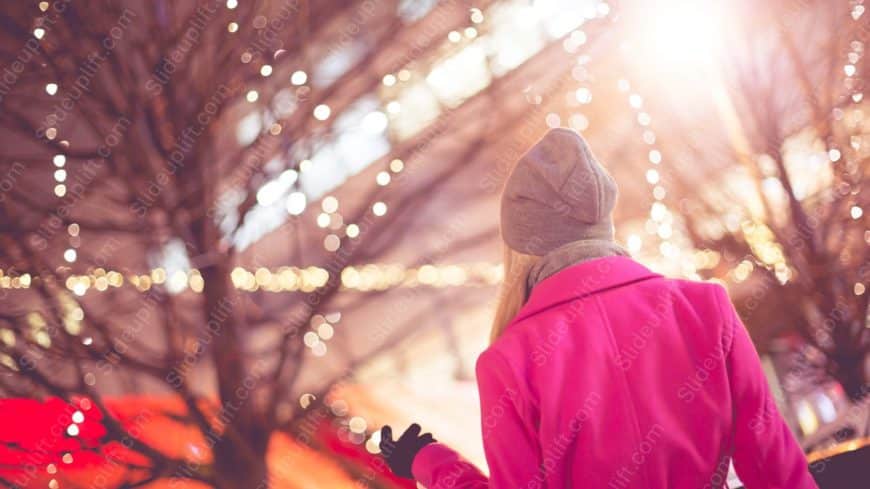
584,279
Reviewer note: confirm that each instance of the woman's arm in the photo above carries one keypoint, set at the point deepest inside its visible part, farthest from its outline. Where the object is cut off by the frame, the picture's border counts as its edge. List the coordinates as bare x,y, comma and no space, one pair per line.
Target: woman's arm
766,453
509,440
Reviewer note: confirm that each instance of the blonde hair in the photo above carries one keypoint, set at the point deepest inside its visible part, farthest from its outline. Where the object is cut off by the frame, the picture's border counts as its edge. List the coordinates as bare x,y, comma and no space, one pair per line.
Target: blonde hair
514,290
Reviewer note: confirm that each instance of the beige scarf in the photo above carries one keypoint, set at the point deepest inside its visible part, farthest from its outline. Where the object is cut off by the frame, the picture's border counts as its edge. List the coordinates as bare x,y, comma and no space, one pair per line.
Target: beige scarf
571,254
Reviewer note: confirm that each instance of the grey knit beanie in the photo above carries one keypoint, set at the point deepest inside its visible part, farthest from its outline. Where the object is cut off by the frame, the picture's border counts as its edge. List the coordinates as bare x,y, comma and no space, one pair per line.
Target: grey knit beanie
556,194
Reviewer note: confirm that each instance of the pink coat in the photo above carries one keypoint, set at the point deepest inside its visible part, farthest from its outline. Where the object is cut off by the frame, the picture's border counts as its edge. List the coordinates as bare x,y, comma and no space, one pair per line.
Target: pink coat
612,376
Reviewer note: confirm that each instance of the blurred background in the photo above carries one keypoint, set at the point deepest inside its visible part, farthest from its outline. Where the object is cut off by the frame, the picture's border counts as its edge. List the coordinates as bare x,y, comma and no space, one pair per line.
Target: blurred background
239,236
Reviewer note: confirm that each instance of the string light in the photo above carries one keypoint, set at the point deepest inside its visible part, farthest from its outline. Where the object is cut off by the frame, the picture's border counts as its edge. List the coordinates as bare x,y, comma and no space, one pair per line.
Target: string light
69,255
376,122
331,242
325,331
329,204
476,15
296,203
661,221
397,165
373,445
282,279
298,77
643,119
322,112
357,424
853,86
60,175
319,349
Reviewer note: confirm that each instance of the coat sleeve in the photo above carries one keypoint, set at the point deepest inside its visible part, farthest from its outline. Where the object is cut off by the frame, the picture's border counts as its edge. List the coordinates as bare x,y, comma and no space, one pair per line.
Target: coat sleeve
509,440
766,454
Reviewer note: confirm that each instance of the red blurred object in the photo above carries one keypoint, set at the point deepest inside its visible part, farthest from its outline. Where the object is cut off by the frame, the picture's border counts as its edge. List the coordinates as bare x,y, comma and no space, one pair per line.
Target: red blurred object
43,431
38,445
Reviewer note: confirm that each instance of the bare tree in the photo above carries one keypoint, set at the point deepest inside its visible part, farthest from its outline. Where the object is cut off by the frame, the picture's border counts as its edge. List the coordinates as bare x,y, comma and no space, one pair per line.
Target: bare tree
789,227
139,143
132,112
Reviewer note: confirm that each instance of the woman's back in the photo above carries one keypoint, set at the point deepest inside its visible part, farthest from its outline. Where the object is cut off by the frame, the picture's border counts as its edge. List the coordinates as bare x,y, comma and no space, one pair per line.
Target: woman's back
612,376
626,378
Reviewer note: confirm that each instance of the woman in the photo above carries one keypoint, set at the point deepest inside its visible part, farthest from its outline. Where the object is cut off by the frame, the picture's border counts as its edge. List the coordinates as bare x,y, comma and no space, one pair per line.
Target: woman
601,373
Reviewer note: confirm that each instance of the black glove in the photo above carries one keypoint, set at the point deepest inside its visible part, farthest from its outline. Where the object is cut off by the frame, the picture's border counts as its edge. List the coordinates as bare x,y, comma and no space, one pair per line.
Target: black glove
400,453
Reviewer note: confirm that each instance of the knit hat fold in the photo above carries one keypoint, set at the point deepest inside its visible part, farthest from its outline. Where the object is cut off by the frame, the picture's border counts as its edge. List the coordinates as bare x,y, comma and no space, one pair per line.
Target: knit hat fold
557,193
